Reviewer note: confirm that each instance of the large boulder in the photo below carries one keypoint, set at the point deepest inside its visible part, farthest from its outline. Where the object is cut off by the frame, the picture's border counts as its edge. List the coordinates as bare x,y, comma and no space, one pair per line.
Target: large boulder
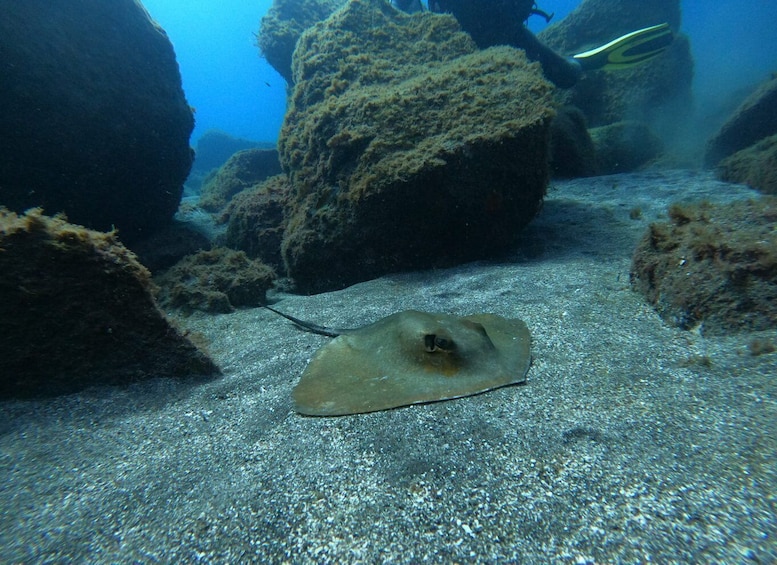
93,115
406,147
77,309
755,119
646,90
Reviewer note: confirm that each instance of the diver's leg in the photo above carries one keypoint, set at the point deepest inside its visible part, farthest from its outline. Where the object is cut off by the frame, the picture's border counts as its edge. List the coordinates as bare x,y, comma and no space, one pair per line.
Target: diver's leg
564,72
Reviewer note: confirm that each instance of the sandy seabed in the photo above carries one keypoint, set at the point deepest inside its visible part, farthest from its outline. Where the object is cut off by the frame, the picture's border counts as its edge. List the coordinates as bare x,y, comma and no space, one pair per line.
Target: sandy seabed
632,441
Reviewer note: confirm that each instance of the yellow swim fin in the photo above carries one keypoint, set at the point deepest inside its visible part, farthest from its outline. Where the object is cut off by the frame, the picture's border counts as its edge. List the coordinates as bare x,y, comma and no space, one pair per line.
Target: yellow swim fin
630,49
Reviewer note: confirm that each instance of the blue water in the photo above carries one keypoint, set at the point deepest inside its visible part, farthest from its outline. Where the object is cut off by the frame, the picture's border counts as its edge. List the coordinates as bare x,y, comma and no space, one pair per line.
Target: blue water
234,89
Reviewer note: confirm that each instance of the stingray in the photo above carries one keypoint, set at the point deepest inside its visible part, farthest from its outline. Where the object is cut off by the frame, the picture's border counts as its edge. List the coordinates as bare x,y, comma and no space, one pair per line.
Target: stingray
408,358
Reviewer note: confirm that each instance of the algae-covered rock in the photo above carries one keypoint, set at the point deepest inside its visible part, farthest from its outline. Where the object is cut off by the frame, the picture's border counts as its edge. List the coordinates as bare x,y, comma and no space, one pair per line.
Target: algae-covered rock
243,170
94,119
218,280
407,147
76,309
624,147
753,120
215,147
257,221
284,23
645,90
166,247
755,166
572,152
712,265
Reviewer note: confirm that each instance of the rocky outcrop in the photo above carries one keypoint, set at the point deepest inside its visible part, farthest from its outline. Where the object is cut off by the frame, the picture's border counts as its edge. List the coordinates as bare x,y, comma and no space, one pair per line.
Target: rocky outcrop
624,147
572,152
406,147
712,265
283,25
214,148
647,89
76,309
257,221
755,119
93,115
218,280
243,170
755,166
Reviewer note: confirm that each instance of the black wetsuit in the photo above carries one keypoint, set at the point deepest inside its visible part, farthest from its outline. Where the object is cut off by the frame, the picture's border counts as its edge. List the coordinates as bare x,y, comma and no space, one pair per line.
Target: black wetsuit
501,22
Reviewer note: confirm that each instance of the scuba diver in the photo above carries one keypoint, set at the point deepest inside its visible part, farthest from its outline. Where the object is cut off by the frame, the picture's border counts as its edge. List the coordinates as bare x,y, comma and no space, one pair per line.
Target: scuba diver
501,22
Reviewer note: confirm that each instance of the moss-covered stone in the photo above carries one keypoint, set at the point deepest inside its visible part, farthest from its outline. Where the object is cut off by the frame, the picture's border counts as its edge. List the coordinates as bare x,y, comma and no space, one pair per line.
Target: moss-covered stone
624,146
406,147
218,280
215,147
165,248
755,166
645,90
572,152
283,25
257,220
712,265
94,119
243,170
753,120
76,309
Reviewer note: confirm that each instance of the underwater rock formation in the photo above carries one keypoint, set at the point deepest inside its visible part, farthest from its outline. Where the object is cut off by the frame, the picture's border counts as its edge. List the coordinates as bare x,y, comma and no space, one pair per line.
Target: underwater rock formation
93,115
257,221
625,146
406,147
283,25
166,247
753,120
755,166
76,309
712,265
645,90
214,148
243,170
218,280
572,152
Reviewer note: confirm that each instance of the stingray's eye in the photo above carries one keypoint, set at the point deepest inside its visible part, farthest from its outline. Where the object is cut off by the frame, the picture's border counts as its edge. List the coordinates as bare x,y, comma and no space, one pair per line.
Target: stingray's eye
444,343
434,343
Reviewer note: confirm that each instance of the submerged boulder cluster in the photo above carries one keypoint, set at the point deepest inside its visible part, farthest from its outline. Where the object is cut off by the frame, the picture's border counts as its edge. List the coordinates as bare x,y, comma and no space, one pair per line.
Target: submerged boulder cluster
404,146
96,126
